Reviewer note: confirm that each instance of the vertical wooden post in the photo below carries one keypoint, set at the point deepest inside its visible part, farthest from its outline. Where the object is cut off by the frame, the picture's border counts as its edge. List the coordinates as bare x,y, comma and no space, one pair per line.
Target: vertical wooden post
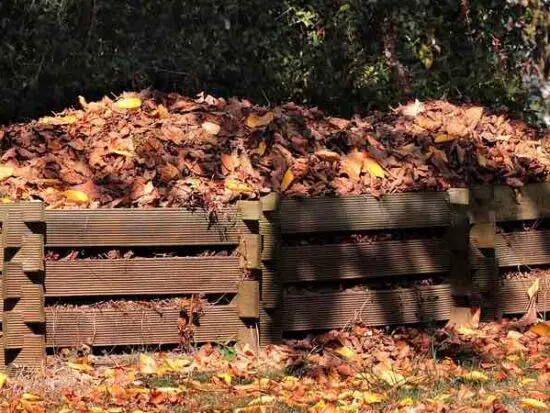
271,291
248,296
458,244
23,318
483,238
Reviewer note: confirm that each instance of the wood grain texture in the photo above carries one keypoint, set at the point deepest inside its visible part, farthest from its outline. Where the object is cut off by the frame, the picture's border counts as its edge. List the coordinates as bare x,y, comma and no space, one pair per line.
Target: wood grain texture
154,276
141,227
350,261
72,327
324,214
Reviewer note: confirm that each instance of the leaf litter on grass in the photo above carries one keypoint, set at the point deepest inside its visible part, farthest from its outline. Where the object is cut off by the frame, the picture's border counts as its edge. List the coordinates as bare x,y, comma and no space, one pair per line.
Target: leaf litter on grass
360,369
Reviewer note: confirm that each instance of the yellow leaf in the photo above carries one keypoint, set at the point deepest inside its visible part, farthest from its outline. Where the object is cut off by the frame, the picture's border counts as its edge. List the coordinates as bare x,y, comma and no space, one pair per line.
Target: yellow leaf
82,101
444,138
533,289
161,112
130,102
29,397
391,377
5,200
238,186
261,148
80,366
371,398
58,120
542,329
115,410
287,180
97,410
441,398
262,400
476,376
255,121
177,364
3,380
527,380
407,401
123,152
6,171
76,196
147,364
225,377
372,167
345,352
211,128
533,403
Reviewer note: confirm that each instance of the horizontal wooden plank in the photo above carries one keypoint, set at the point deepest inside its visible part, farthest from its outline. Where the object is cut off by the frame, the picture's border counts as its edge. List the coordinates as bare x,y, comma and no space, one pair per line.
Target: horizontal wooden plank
405,210
533,202
155,276
140,227
523,248
72,327
335,310
349,261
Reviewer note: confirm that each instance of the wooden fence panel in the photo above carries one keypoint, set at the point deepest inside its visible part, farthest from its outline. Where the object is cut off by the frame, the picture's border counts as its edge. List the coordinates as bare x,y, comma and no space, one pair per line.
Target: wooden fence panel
154,276
351,261
141,227
406,210
72,327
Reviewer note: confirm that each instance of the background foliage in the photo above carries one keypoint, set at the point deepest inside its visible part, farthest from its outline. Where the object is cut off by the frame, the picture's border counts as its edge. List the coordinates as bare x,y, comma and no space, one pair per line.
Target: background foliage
345,56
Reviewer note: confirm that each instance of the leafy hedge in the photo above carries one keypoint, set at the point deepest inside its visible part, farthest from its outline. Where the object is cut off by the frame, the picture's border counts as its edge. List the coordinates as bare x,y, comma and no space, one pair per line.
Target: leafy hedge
346,56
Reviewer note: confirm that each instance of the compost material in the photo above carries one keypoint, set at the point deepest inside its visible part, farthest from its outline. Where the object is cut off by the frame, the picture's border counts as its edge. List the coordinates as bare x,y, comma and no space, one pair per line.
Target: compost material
164,150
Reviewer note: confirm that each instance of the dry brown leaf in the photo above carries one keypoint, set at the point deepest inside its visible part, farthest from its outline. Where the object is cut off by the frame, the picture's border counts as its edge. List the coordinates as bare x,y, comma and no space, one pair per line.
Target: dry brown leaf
444,138
457,129
473,115
426,123
230,162
439,154
327,155
352,164
262,146
339,122
288,178
255,121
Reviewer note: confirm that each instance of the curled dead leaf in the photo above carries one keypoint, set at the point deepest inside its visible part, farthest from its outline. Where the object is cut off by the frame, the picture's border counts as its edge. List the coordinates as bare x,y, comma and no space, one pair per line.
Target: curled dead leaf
327,155
255,121
288,178
211,128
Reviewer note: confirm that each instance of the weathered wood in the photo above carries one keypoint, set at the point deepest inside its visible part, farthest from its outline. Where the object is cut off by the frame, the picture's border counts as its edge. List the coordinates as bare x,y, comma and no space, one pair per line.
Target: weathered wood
142,227
523,248
152,276
72,327
335,310
406,210
248,299
251,250
532,202
349,261
250,210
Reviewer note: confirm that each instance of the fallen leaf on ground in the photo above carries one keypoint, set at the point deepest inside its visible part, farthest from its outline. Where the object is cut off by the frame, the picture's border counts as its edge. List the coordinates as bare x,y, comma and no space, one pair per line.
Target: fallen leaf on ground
255,121
533,403
131,102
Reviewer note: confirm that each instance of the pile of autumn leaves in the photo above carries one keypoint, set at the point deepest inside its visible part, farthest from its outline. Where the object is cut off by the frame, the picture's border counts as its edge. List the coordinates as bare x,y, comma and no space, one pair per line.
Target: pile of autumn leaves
491,368
151,149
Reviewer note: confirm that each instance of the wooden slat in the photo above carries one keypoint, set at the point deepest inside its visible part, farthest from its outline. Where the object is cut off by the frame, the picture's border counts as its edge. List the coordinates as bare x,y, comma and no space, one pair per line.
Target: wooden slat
68,328
348,261
407,210
532,203
155,276
335,310
523,248
140,227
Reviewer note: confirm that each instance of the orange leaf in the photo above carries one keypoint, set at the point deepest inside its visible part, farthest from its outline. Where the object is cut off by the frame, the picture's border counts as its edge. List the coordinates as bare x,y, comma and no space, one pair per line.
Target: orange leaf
287,180
542,329
352,164
373,168
255,121
457,129
439,154
473,115
230,162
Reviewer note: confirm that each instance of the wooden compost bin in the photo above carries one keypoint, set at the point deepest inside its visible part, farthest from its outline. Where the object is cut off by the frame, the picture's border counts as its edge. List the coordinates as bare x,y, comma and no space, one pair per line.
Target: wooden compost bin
469,255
